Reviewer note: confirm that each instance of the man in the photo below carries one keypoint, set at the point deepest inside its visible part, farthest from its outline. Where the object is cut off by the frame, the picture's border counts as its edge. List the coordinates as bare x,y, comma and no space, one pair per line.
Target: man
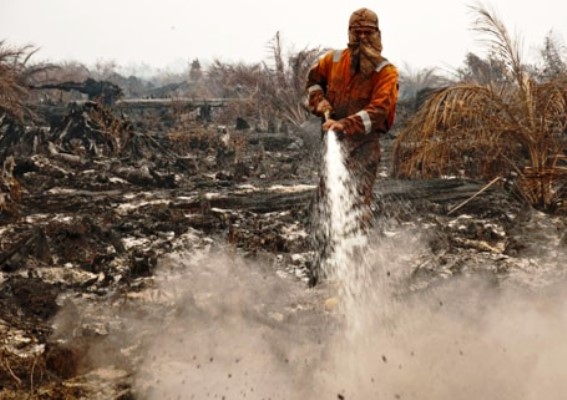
356,91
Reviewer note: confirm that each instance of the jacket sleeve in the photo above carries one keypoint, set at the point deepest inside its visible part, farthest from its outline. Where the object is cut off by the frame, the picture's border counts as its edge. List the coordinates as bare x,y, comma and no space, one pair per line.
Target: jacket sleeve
377,116
317,80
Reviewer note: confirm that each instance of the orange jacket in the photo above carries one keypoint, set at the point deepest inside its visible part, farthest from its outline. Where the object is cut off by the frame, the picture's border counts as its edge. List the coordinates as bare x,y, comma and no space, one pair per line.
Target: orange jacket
364,105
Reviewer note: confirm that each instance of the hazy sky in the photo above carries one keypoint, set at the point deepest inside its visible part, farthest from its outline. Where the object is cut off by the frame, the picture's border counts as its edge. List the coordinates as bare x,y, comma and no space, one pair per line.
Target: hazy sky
162,33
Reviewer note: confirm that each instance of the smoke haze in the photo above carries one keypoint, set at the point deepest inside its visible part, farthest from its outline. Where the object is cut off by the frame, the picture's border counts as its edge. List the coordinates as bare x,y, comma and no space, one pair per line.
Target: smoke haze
234,329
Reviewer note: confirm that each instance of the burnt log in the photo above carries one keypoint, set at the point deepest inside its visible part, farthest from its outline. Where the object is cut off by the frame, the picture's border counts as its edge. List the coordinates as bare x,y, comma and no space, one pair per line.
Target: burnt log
188,103
83,201
434,195
440,196
66,157
107,91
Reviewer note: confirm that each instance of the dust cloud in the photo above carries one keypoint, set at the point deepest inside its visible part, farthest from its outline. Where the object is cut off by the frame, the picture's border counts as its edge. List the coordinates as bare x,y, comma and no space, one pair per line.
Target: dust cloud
234,329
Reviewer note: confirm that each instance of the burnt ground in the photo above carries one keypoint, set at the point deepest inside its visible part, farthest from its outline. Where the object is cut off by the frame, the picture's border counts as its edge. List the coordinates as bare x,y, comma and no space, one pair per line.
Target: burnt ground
96,216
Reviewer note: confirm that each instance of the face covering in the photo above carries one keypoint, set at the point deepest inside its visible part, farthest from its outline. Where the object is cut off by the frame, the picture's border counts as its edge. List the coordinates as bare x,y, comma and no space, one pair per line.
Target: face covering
365,41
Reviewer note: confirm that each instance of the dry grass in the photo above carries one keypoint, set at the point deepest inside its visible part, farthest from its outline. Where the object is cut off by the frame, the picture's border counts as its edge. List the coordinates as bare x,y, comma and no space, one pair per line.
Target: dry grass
16,73
514,124
21,376
12,87
272,92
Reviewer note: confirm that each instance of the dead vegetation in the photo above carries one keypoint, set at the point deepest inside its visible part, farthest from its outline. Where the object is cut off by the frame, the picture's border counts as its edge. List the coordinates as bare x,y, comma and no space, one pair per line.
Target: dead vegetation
507,124
16,74
12,86
271,93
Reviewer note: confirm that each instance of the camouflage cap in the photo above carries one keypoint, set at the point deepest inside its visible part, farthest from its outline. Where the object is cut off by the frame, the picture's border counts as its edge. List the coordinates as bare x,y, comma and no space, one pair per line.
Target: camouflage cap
363,18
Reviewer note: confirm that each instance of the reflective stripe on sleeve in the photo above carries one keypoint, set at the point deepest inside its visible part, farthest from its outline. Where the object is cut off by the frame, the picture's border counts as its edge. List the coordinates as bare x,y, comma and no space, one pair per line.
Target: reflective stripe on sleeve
381,66
365,120
313,88
337,55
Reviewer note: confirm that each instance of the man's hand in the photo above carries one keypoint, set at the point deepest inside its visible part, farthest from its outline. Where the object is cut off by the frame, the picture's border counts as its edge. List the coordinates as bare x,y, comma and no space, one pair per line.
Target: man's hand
332,125
323,106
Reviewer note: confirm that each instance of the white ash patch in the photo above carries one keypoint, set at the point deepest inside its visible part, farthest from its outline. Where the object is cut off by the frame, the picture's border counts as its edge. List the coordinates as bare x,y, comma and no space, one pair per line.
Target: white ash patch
68,275
46,218
60,190
128,207
291,188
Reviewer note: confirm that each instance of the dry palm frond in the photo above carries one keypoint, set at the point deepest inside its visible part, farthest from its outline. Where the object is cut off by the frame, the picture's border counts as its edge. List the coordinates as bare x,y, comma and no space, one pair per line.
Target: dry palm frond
467,120
15,76
485,131
12,91
499,41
